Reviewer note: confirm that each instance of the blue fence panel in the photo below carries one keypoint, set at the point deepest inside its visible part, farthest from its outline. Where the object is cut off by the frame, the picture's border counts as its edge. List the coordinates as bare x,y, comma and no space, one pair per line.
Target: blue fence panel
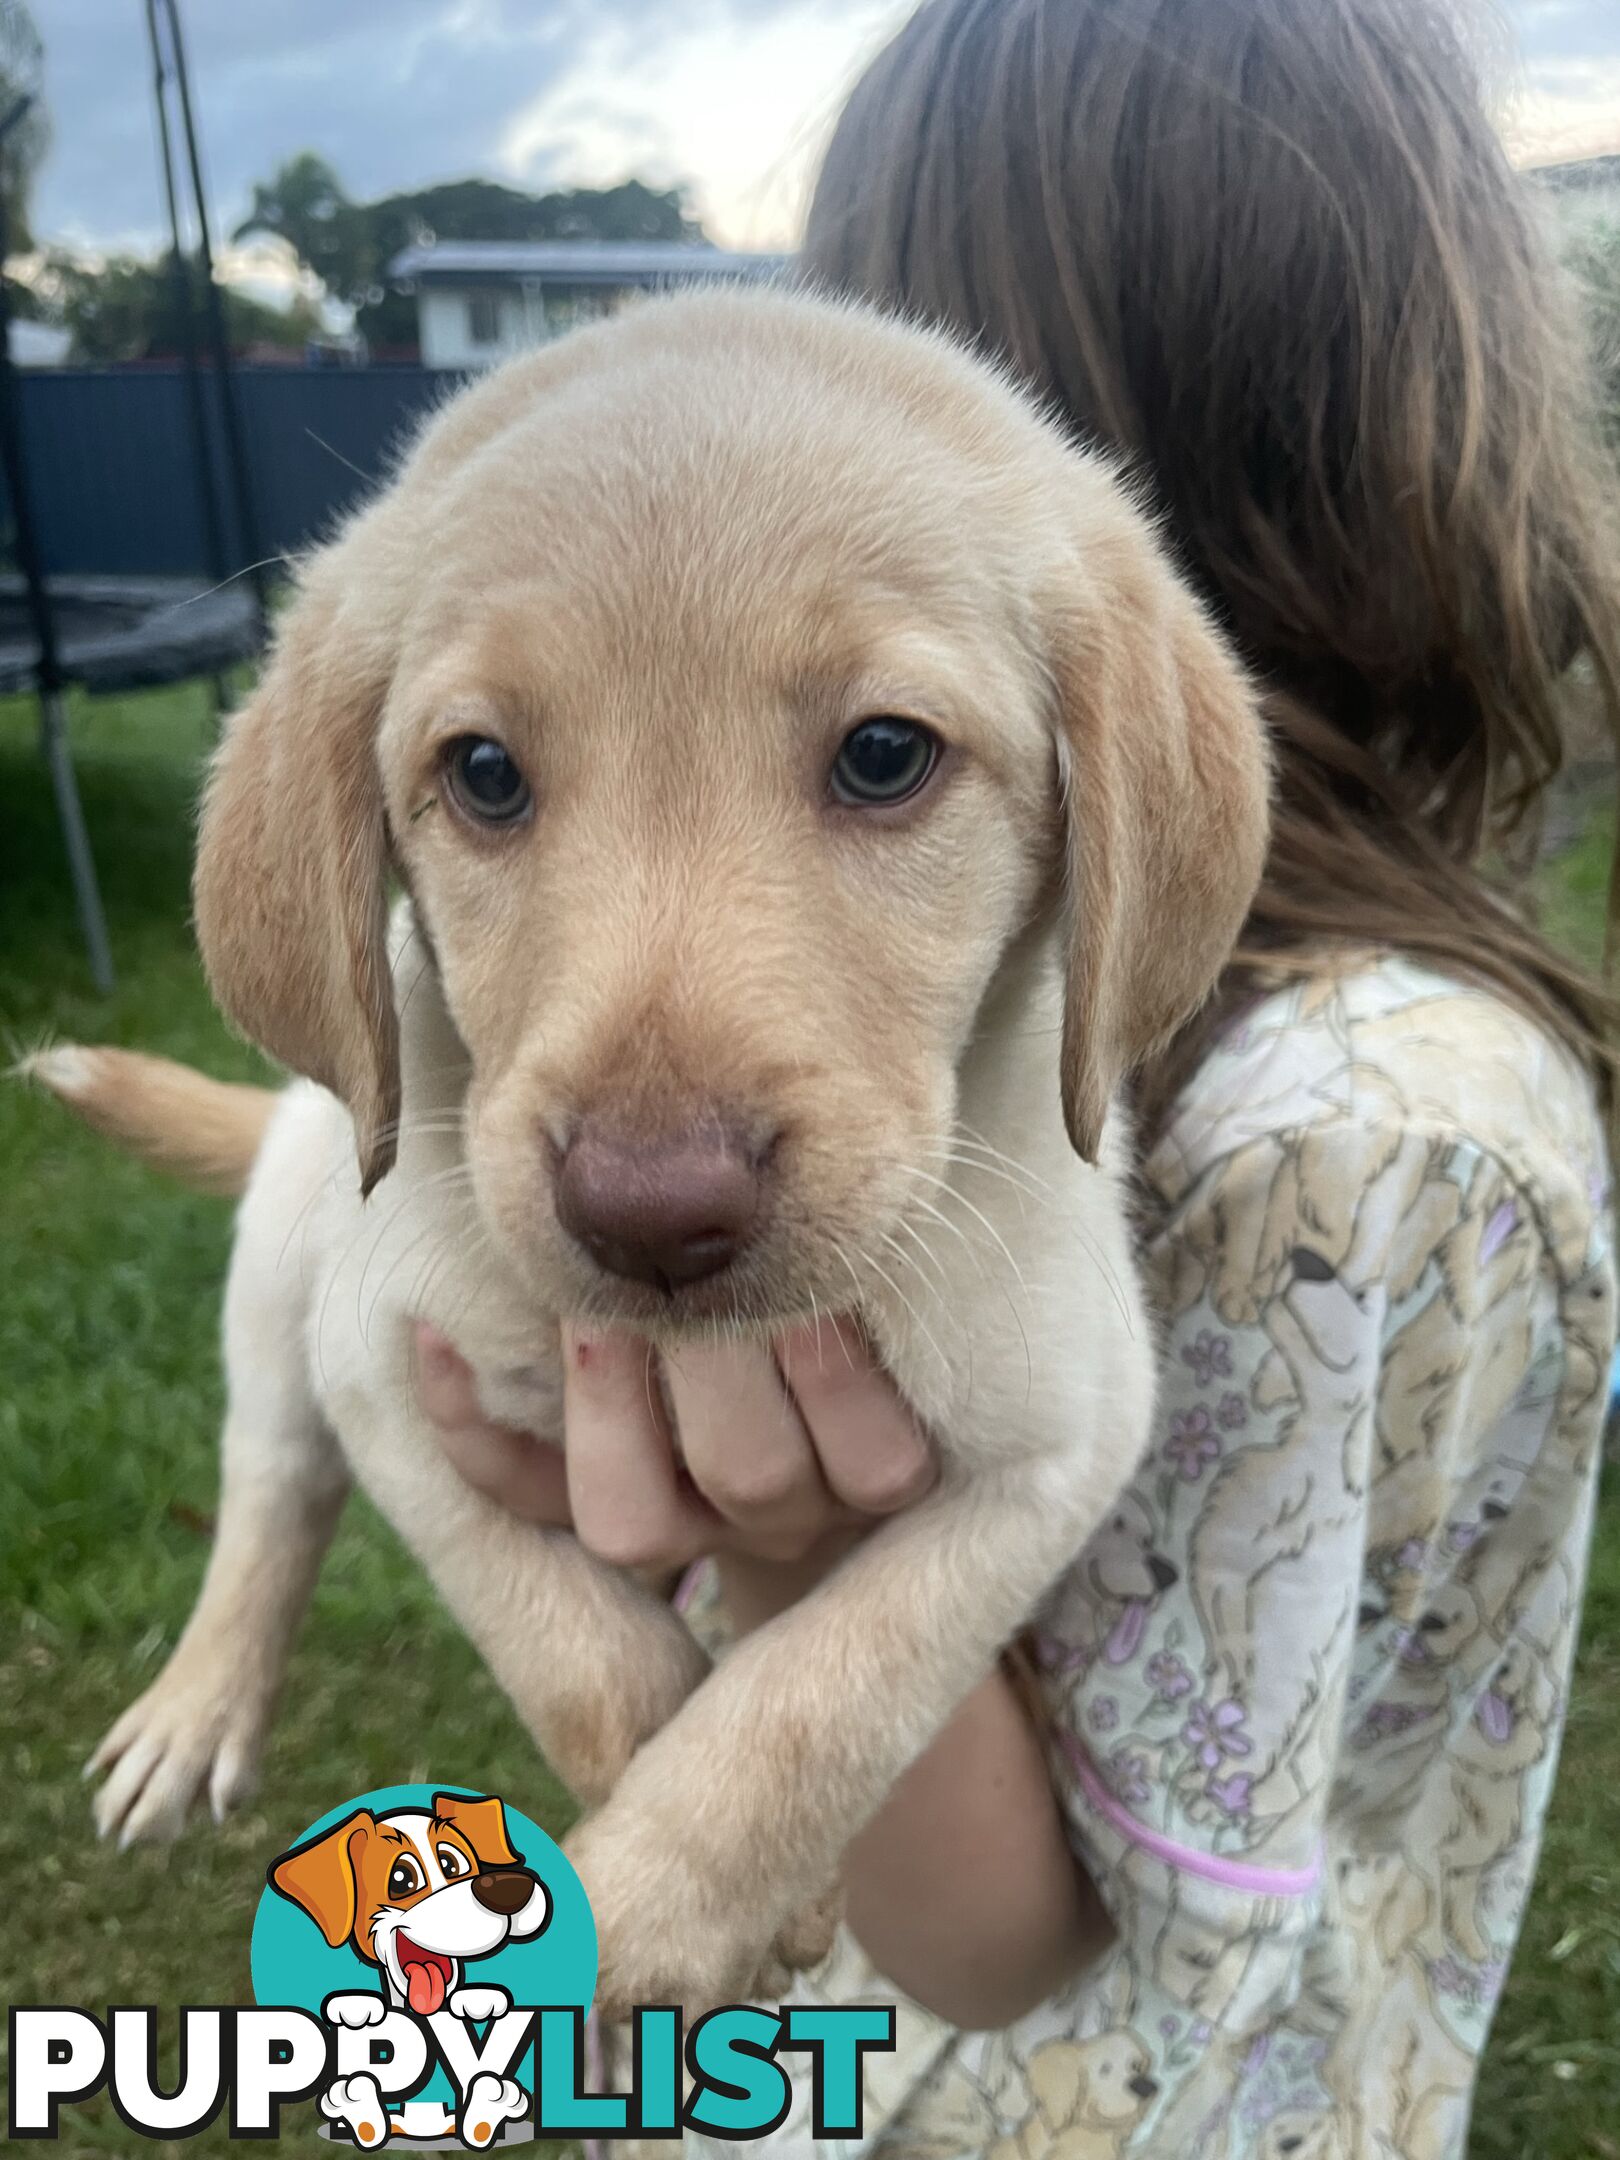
113,466
321,438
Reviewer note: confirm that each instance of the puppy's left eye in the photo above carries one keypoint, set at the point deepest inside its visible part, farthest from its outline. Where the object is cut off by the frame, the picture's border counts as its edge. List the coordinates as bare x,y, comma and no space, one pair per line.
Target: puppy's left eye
453,1862
404,1877
883,761
486,780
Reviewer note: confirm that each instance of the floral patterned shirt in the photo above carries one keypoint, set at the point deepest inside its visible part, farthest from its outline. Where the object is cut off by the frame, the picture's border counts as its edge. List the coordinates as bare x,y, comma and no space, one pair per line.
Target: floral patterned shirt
1305,1687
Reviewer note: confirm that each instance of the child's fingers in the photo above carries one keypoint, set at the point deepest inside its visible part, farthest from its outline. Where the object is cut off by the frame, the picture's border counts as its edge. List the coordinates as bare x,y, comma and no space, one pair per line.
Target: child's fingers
628,1503
872,1452
747,1450
515,1469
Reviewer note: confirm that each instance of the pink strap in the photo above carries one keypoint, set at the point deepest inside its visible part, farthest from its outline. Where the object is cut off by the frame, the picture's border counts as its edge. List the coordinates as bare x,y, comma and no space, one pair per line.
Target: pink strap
1210,1867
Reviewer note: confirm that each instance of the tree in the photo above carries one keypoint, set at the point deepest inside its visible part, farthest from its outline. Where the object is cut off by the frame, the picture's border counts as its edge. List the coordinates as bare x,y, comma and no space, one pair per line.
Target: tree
349,245
305,205
125,308
27,132
1595,259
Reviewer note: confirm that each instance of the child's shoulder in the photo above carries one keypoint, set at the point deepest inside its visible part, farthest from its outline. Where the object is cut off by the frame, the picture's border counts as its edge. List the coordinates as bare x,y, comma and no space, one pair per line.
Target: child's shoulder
1386,1052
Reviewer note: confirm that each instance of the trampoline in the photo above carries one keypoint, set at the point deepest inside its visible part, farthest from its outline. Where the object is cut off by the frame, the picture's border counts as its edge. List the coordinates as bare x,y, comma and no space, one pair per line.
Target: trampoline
110,634
117,634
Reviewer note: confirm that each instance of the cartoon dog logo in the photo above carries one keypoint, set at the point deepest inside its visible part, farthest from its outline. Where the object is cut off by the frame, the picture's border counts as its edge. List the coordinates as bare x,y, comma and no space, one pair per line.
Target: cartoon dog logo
419,1893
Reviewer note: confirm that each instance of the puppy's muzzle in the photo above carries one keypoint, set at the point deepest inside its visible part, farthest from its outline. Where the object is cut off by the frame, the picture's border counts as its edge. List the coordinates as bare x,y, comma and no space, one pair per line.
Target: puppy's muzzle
503,1890
668,1212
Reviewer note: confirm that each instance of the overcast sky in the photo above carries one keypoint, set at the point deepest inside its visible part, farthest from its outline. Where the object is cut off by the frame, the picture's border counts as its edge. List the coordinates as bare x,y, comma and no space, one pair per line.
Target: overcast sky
731,97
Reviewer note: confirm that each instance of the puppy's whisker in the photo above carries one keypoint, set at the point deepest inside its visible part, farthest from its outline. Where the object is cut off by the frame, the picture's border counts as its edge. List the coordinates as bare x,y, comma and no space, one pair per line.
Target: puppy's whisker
926,1250
979,1155
1095,1255
267,562
995,1236
905,1259
427,1123
467,1229
937,1215
916,1317
849,1268
946,1189
962,1158
441,1180
1089,1247
325,1186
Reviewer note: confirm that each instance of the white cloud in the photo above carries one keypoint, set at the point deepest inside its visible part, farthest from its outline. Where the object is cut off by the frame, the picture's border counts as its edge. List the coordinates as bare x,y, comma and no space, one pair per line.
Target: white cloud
1565,109
737,109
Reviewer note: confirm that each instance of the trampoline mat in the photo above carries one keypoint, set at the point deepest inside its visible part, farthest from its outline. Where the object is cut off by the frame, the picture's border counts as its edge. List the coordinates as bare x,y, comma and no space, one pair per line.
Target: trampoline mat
129,633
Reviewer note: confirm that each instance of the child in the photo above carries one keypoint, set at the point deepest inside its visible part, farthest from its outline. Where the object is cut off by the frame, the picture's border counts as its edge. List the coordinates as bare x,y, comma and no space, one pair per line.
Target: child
1295,1713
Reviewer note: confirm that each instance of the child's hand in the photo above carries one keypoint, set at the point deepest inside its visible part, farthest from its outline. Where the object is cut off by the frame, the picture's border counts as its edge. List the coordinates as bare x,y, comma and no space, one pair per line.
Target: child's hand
775,1452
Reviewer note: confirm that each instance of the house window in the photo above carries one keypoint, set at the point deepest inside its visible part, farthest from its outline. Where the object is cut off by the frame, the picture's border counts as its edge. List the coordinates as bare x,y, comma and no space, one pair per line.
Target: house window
483,318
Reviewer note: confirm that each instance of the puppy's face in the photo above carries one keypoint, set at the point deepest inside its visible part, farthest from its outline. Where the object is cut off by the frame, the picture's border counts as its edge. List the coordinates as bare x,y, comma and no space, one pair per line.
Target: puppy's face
719,820
1116,2082
1121,1561
722,675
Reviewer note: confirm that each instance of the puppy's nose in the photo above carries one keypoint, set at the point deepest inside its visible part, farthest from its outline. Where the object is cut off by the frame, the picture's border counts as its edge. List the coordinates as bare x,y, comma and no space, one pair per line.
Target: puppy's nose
503,1890
665,1212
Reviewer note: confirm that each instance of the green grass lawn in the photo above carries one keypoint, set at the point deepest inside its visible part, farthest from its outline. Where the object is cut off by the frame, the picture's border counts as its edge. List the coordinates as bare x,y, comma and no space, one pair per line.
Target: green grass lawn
109,1397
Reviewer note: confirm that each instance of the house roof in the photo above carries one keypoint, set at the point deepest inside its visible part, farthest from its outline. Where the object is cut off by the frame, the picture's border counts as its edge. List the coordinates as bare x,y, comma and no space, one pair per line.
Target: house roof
577,262
1580,173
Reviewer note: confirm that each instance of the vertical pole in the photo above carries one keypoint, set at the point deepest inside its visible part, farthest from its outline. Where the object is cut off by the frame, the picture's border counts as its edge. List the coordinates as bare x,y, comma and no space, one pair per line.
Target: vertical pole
70,816
218,337
202,453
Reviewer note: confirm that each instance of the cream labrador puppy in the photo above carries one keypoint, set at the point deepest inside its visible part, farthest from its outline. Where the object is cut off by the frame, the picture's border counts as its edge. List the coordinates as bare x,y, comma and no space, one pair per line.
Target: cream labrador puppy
811,791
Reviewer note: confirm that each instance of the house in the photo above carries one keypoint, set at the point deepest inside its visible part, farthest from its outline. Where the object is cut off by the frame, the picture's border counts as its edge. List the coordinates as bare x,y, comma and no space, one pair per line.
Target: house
37,344
1585,191
479,300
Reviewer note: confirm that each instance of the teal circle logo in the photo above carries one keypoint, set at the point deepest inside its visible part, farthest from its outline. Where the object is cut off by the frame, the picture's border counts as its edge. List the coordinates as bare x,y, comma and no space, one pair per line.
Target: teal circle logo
434,1900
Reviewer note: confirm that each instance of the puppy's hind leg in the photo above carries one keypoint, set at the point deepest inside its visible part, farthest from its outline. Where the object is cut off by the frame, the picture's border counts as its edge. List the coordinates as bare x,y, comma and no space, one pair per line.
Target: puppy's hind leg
201,1724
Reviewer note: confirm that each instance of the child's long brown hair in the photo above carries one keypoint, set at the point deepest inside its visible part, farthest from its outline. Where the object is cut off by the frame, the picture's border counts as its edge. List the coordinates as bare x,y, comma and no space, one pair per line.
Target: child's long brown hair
1273,251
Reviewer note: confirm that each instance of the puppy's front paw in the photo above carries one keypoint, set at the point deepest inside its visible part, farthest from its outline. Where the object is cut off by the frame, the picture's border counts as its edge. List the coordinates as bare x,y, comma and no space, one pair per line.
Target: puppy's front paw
477,2005
667,1935
198,1728
355,2011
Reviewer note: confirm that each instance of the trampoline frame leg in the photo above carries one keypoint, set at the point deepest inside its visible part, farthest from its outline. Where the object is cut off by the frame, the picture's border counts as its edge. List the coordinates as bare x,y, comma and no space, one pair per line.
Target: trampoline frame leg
53,737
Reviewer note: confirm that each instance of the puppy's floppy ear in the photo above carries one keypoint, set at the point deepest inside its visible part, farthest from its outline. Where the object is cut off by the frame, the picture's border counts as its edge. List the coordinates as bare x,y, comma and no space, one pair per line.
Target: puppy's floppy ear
291,912
321,1876
482,1823
1163,762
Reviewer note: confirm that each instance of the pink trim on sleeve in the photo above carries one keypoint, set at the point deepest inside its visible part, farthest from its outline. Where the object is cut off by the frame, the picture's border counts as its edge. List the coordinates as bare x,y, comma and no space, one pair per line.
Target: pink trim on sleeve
1230,1874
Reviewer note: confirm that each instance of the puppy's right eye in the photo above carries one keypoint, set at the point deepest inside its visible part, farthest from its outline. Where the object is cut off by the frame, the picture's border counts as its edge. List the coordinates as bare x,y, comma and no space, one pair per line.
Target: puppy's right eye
486,781
404,1877
884,761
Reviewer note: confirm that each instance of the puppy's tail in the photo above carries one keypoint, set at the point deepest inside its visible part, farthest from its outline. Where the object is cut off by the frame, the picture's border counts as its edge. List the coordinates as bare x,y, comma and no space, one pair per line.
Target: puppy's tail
205,1132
